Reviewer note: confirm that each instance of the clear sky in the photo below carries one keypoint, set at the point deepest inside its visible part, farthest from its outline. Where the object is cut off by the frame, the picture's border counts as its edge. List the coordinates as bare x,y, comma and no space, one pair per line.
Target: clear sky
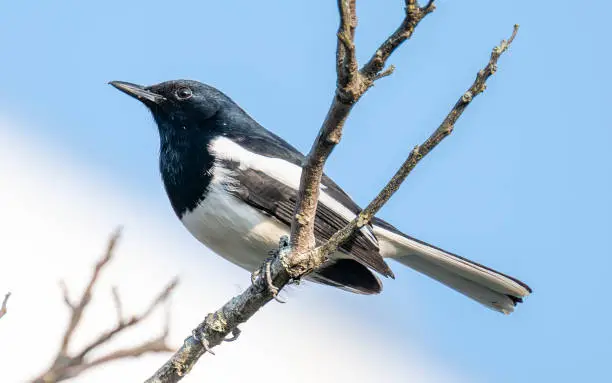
523,185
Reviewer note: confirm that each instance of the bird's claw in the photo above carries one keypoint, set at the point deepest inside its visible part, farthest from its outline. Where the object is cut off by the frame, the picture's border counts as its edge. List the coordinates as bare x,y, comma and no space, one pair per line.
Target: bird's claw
204,342
266,269
235,334
254,275
273,289
267,275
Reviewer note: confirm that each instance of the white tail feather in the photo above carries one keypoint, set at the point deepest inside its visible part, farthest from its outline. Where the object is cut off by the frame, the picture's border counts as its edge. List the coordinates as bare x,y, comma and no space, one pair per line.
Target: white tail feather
486,286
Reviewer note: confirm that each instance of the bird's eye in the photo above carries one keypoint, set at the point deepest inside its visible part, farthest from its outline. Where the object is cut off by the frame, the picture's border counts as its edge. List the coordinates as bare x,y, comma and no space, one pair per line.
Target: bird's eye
183,93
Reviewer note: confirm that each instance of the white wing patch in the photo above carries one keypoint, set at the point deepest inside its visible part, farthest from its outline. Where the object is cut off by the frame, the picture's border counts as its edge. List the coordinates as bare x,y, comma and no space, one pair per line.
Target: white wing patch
282,171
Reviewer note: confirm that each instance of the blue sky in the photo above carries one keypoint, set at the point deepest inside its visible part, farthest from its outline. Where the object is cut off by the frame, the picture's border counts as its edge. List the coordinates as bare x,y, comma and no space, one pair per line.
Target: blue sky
523,185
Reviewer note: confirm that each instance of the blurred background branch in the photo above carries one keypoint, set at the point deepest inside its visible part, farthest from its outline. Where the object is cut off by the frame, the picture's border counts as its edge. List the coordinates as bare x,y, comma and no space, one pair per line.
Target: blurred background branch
3,308
69,364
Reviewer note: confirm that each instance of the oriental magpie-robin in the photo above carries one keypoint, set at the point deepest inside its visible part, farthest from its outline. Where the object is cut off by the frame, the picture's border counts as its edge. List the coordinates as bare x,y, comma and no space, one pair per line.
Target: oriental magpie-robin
233,184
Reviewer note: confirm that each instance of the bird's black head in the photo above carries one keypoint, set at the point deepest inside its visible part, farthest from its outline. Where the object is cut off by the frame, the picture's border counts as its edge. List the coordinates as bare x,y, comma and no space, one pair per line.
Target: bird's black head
179,103
189,116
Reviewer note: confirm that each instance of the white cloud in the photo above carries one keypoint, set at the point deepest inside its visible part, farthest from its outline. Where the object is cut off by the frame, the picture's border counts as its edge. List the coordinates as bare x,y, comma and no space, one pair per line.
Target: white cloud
55,219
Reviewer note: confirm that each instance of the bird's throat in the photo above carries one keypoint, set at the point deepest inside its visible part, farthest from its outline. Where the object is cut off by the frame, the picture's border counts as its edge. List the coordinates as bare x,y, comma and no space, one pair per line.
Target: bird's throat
185,164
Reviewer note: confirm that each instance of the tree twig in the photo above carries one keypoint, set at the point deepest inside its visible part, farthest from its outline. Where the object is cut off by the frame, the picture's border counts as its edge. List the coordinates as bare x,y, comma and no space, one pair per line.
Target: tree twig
414,14
291,264
415,156
118,304
3,309
68,365
123,324
346,56
77,309
351,85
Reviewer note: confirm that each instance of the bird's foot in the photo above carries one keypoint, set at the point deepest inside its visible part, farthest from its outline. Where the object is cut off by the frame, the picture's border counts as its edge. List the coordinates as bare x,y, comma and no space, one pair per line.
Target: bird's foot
254,275
235,334
268,275
204,342
265,271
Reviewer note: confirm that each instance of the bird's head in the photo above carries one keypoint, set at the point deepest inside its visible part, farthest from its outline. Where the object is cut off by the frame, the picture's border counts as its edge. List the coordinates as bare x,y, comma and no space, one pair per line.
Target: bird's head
177,103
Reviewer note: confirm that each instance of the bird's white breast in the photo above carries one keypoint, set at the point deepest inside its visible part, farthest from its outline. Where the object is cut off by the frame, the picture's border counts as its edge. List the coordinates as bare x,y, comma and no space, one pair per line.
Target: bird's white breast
231,228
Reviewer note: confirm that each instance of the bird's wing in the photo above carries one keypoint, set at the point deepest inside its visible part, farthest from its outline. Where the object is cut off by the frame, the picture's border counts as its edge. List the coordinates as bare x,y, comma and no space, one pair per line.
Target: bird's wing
270,184
261,141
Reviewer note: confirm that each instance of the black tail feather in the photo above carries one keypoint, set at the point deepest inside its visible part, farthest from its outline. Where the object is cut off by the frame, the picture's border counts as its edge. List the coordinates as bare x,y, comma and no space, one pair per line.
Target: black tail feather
349,275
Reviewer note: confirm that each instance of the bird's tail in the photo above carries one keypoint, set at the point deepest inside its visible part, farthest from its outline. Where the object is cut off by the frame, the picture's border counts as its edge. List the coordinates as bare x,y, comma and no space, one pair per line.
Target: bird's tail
487,286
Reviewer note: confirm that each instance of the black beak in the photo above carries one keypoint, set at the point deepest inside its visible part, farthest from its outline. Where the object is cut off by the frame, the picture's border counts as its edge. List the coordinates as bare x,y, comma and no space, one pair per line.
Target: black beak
138,92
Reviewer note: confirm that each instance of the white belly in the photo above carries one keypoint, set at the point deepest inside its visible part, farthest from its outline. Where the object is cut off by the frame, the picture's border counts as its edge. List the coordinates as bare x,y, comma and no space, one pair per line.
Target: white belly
234,230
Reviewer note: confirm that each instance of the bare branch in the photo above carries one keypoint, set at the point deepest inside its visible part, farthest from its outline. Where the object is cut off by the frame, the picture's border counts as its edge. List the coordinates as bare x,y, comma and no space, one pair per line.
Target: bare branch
155,345
3,309
79,308
348,90
118,305
351,85
417,154
66,295
414,15
387,72
67,365
134,320
346,59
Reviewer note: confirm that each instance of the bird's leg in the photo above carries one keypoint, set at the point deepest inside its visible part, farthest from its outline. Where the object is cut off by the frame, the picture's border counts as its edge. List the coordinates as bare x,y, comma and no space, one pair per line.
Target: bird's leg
235,334
268,274
254,275
265,269
257,273
204,342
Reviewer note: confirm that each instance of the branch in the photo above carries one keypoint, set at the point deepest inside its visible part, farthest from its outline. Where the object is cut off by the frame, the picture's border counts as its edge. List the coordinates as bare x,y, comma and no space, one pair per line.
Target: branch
351,85
66,365
346,59
3,309
218,325
417,154
118,305
123,324
289,265
155,345
414,15
77,310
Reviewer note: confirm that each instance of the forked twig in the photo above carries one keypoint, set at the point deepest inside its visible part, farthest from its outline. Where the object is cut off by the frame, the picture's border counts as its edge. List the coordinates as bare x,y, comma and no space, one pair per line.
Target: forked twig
70,364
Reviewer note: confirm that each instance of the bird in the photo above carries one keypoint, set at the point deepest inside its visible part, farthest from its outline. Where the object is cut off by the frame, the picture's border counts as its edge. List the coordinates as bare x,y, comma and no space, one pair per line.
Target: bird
233,184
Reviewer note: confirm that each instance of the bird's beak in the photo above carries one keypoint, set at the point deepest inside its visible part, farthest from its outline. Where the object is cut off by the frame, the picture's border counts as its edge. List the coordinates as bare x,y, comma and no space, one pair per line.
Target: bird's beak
138,92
